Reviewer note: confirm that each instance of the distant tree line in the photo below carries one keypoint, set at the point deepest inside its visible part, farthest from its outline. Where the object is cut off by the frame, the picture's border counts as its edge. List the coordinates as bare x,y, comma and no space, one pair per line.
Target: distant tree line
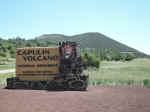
8,47
93,57
109,54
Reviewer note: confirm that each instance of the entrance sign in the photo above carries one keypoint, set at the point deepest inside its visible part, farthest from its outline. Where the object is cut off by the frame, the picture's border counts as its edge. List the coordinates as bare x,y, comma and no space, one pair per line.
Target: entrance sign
37,63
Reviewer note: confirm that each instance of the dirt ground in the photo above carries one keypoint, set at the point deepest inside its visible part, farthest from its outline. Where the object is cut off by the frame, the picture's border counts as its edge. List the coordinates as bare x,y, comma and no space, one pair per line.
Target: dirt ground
96,99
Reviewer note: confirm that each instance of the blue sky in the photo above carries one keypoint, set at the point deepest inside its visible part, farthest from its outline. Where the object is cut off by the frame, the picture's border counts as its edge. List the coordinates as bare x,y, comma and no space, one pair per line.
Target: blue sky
127,21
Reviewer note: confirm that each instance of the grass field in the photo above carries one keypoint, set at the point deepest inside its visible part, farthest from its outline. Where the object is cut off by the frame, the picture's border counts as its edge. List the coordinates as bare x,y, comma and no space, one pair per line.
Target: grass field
7,63
5,67
3,77
133,72
114,73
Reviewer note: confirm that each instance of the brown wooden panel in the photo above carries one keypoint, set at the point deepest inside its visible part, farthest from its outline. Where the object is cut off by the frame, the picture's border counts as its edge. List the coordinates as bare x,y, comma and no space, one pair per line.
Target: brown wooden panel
40,61
36,77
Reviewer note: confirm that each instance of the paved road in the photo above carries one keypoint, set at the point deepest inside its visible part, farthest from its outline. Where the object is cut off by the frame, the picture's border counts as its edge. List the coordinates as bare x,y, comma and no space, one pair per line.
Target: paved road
7,71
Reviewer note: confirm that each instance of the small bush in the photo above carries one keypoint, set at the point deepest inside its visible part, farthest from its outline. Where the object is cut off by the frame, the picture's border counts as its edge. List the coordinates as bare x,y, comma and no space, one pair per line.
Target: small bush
129,57
129,82
90,61
3,54
146,82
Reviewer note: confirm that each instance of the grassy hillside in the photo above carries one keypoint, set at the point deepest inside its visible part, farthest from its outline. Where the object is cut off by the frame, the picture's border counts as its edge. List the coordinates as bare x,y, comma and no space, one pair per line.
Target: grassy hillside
89,40
96,41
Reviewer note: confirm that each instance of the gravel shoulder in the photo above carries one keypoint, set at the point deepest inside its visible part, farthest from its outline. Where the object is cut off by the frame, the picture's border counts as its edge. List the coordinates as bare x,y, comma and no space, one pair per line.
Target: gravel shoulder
96,99
7,71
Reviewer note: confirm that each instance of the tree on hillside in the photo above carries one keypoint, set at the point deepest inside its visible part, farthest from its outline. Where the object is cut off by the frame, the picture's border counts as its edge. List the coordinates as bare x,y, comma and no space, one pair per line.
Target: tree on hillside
129,56
20,42
0,42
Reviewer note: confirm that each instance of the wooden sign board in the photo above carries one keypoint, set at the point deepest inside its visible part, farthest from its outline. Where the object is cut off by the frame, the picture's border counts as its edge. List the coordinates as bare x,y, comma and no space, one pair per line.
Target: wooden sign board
41,63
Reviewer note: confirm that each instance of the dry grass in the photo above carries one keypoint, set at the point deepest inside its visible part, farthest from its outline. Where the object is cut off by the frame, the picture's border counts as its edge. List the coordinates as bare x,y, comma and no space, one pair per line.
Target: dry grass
121,72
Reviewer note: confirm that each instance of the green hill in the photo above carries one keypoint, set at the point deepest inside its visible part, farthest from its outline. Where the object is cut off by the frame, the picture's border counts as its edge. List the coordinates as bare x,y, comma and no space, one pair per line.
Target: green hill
90,40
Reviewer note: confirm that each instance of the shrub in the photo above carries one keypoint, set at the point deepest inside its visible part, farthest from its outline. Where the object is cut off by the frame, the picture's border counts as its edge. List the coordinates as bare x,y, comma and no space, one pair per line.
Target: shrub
129,57
146,82
90,61
12,53
129,82
111,55
2,54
